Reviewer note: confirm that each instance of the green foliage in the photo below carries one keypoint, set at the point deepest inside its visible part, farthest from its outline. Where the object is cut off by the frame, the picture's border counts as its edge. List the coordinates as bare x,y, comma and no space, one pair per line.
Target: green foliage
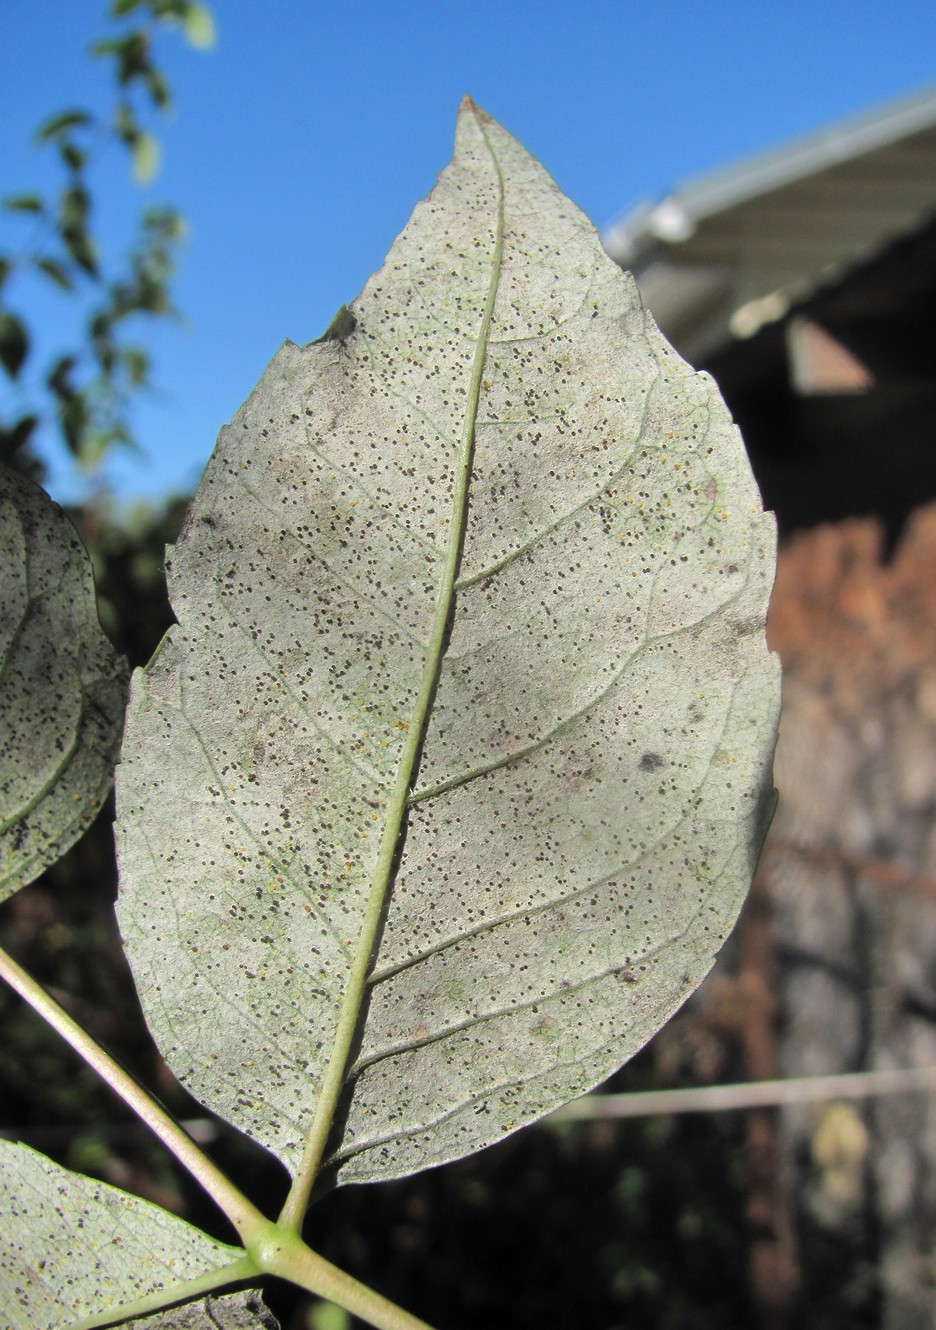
88,388
444,790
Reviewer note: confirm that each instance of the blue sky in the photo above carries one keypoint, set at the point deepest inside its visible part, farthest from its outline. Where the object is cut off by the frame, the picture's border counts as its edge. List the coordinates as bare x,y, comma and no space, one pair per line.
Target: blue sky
299,145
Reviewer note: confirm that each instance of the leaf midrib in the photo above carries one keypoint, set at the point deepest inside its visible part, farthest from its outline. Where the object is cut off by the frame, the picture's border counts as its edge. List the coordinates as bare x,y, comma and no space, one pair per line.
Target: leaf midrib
296,1203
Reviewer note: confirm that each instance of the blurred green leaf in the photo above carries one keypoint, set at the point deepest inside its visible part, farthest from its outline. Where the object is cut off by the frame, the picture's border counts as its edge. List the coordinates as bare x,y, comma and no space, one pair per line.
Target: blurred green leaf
198,24
146,159
14,439
107,356
164,225
158,89
136,363
73,156
95,443
88,1153
74,208
73,418
100,325
51,128
23,203
60,385
328,1316
57,379
119,8
56,272
132,57
125,122
81,249
110,46
14,343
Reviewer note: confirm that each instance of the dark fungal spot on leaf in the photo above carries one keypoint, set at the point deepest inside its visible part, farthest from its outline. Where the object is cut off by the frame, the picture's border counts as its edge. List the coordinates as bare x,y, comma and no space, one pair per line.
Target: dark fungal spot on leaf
650,762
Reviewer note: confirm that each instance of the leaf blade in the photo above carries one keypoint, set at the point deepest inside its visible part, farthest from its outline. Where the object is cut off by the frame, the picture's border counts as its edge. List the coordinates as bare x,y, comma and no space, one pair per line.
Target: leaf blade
472,438
83,1247
64,687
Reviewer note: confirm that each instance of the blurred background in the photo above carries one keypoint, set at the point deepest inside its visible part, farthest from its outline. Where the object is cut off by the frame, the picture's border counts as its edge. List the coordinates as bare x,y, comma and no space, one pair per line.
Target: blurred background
184,187
299,138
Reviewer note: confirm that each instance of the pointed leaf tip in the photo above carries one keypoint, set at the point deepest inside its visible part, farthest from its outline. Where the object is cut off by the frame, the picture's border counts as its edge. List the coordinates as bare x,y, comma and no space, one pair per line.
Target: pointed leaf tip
470,107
